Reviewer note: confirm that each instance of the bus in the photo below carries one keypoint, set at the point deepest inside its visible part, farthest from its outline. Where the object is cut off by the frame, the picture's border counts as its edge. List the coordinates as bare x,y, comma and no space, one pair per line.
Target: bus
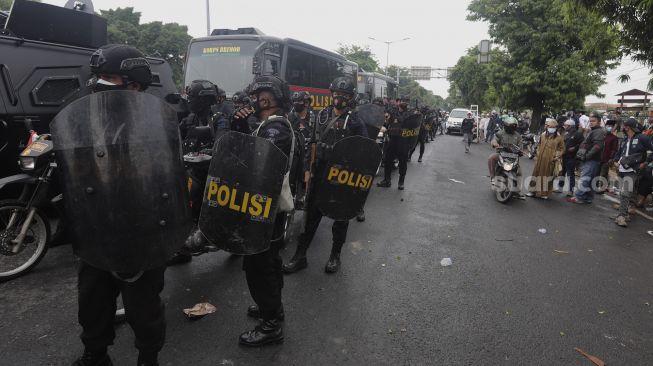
374,85
231,59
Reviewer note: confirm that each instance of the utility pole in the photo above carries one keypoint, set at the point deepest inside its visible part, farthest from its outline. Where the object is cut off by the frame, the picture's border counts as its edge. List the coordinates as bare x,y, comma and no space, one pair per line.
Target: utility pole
387,54
208,19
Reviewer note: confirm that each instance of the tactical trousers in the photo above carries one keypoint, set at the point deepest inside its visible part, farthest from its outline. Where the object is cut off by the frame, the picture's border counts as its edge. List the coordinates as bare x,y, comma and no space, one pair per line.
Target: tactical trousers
422,142
98,291
314,217
265,280
395,150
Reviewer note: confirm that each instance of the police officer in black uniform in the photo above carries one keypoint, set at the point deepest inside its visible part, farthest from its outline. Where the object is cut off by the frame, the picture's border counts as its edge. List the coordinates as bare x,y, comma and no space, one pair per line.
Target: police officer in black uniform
98,289
263,270
422,137
396,147
339,122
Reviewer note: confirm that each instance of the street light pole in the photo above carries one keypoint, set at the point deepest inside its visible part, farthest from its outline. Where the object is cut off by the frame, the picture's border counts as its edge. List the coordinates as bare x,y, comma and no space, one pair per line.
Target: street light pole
387,55
208,19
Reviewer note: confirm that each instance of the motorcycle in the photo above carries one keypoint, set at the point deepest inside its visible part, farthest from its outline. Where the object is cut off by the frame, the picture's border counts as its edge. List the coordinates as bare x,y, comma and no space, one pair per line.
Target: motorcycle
27,223
529,143
506,183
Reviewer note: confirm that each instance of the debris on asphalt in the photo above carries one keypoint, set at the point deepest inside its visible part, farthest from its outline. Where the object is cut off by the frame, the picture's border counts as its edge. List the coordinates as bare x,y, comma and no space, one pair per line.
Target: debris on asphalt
200,310
562,334
561,251
542,231
383,265
446,262
402,200
650,233
597,361
601,312
404,330
590,250
390,331
456,181
504,239
647,304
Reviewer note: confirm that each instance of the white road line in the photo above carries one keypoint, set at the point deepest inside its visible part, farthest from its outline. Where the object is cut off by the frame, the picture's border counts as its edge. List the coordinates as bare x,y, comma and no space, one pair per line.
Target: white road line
609,198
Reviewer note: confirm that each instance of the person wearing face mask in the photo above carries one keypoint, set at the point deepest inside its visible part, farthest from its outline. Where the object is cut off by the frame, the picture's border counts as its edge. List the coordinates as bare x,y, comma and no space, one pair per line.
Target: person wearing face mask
302,120
263,270
549,153
573,139
396,146
340,122
589,154
631,160
611,146
115,68
201,96
507,136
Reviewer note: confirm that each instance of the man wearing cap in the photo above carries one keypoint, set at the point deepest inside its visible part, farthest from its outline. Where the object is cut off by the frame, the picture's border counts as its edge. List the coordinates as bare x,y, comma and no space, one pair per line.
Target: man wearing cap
573,139
631,159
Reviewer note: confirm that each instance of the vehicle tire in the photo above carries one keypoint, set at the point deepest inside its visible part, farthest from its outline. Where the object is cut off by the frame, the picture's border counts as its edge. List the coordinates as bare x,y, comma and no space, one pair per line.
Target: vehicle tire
15,265
503,195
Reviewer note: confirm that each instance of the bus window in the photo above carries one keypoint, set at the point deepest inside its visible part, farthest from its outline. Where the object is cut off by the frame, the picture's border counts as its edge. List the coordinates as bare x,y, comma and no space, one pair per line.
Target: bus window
227,63
321,75
298,67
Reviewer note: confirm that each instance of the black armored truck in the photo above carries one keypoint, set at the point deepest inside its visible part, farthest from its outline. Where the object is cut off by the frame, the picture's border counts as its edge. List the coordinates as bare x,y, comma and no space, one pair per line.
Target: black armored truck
44,66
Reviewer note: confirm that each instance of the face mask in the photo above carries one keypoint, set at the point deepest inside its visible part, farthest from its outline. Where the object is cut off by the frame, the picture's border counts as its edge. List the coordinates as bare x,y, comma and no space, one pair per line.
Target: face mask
551,130
299,107
609,129
99,85
510,128
339,102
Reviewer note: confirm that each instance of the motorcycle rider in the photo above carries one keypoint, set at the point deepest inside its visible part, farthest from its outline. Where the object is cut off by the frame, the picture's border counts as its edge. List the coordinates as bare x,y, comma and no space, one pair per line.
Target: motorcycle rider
120,67
341,123
263,270
396,147
507,136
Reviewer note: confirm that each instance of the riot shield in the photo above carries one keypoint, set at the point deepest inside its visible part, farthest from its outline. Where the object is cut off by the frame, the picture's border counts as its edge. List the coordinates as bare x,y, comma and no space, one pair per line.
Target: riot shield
342,187
373,116
410,128
241,195
123,180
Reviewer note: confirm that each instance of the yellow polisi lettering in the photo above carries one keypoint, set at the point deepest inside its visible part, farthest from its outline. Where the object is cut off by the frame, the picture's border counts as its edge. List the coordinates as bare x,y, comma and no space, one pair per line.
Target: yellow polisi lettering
251,204
349,178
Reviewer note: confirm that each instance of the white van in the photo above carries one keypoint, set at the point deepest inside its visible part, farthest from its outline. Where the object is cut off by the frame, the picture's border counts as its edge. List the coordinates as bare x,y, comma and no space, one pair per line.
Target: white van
455,120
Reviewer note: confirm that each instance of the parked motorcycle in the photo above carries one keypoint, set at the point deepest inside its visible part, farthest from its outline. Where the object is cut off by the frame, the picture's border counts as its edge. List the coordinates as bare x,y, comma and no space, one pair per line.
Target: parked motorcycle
506,183
529,143
27,223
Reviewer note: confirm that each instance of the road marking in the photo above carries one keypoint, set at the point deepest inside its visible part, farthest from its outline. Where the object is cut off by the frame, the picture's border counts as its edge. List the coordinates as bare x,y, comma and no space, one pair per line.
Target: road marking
609,198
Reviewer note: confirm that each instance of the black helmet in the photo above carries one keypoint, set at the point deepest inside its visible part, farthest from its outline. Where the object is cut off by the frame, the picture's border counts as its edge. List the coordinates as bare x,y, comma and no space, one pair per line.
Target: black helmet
123,60
277,86
240,97
202,88
301,96
343,84
222,93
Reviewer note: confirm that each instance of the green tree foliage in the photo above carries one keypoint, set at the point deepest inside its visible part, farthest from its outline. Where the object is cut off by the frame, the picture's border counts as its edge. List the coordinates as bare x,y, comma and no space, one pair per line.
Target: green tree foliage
552,61
363,56
168,41
633,19
5,4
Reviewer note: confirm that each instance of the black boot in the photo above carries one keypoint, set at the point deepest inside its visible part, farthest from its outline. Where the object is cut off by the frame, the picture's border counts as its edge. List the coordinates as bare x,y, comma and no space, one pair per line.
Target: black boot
384,184
267,332
254,312
419,160
333,264
94,359
297,262
360,217
401,184
147,360
179,258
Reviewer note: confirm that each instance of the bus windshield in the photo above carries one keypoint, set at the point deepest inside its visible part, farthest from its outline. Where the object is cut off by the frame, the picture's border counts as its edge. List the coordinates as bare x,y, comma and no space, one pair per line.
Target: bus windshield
227,63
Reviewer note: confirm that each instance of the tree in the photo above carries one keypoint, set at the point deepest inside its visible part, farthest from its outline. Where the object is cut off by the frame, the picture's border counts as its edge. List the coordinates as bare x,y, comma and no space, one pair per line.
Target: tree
468,81
552,62
363,56
633,19
5,4
168,41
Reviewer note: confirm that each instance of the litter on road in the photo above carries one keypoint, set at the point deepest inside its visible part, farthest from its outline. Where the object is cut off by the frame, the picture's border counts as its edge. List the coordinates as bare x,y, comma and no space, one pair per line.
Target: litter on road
542,231
446,262
200,310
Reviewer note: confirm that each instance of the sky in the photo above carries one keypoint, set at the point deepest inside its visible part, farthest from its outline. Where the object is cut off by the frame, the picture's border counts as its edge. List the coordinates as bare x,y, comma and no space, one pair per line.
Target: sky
438,31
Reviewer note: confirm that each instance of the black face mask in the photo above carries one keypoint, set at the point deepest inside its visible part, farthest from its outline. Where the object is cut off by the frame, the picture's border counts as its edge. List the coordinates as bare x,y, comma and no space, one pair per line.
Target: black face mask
510,128
340,102
299,107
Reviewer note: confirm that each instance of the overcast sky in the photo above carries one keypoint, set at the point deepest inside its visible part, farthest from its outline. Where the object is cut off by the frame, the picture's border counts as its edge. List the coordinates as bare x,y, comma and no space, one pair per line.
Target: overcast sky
438,31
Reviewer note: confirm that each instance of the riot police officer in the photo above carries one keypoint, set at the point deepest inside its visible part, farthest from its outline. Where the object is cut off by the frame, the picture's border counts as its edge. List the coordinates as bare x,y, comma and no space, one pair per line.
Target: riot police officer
396,147
119,67
242,100
422,138
302,120
263,270
339,122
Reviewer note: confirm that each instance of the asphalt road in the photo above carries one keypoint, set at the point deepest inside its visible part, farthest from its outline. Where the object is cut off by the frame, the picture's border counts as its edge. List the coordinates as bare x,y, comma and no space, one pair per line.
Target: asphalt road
513,296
